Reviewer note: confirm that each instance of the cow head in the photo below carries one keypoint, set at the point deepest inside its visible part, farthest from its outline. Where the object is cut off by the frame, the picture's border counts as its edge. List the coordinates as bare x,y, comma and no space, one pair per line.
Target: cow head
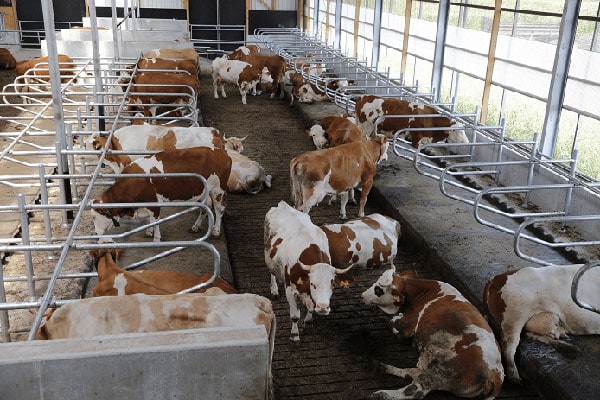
383,147
388,292
234,143
104,218
317,134
457,136
321,278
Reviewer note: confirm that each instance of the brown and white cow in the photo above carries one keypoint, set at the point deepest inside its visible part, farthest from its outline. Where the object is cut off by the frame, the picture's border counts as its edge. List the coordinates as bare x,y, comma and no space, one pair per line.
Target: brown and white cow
247,176
138,313
276,66
115,281
336,170
168,65
333,130
370,108
308,92
539,300
240,73
157,137
243,51
155,90
174,54
369,241
7,60
40,71
213,164
458,352
297,256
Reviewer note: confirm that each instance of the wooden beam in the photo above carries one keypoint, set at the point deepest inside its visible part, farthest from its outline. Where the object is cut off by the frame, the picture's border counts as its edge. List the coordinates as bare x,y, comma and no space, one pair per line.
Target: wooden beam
356,25
406,36
491,60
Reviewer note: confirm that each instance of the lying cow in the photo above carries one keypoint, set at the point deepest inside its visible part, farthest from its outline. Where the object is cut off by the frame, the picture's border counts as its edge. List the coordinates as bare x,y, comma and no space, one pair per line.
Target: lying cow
115,281
7,60
369,241
189,66
137,313
308,92
539,300
318,173
240,73
213,164
155,90
247,176
158,137
370,108
332,131
297,256
457,349
174,54
36,70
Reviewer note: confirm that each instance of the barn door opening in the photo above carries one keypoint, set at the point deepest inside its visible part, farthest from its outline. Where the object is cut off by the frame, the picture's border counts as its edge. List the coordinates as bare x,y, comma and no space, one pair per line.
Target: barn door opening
218,24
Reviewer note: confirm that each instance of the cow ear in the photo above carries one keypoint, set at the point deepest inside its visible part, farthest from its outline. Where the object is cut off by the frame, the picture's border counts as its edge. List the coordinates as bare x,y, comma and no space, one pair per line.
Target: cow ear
408,273
397,296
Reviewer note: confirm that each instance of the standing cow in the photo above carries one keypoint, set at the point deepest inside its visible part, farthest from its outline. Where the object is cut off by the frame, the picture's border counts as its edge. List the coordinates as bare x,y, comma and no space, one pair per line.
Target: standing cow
240,73
213,165
297,256
457,349
318,173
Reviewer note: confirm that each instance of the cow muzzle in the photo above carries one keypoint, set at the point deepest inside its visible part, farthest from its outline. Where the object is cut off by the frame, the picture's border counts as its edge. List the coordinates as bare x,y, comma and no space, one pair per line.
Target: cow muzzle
322,309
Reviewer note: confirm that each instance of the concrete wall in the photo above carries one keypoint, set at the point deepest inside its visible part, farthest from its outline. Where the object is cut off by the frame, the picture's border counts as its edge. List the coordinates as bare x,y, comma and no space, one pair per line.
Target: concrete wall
211,363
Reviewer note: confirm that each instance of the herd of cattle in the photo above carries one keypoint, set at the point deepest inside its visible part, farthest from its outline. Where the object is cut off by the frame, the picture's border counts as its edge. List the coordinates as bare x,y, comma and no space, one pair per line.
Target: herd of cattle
458,349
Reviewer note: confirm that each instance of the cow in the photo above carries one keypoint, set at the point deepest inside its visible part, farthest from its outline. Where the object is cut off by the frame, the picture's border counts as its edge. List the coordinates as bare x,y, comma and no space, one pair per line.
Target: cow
138,313
247,176
333,130
243,51
539,300
157,137
115,281
297,257
153,90
174,54
213,164
308,92
336,170
370,108
40,71
7,60
276,66
369,241
458,352
240,73
168,65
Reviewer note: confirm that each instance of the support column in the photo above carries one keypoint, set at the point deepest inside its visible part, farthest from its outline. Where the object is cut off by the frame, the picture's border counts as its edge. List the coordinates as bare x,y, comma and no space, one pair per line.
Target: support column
440,44
558,83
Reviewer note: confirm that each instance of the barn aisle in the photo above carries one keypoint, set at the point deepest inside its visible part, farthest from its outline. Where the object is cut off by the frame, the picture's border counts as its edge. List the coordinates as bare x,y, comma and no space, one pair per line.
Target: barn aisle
338,356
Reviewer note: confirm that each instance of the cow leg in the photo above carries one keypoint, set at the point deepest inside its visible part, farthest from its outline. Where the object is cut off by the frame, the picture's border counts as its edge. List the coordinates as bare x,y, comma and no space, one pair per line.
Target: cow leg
412,391
511,334
274,287
343,203
366,188
217,197
216,87
294,313
406,373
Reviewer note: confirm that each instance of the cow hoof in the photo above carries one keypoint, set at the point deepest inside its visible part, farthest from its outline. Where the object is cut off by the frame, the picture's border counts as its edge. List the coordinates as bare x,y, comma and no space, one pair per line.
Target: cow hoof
295,339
